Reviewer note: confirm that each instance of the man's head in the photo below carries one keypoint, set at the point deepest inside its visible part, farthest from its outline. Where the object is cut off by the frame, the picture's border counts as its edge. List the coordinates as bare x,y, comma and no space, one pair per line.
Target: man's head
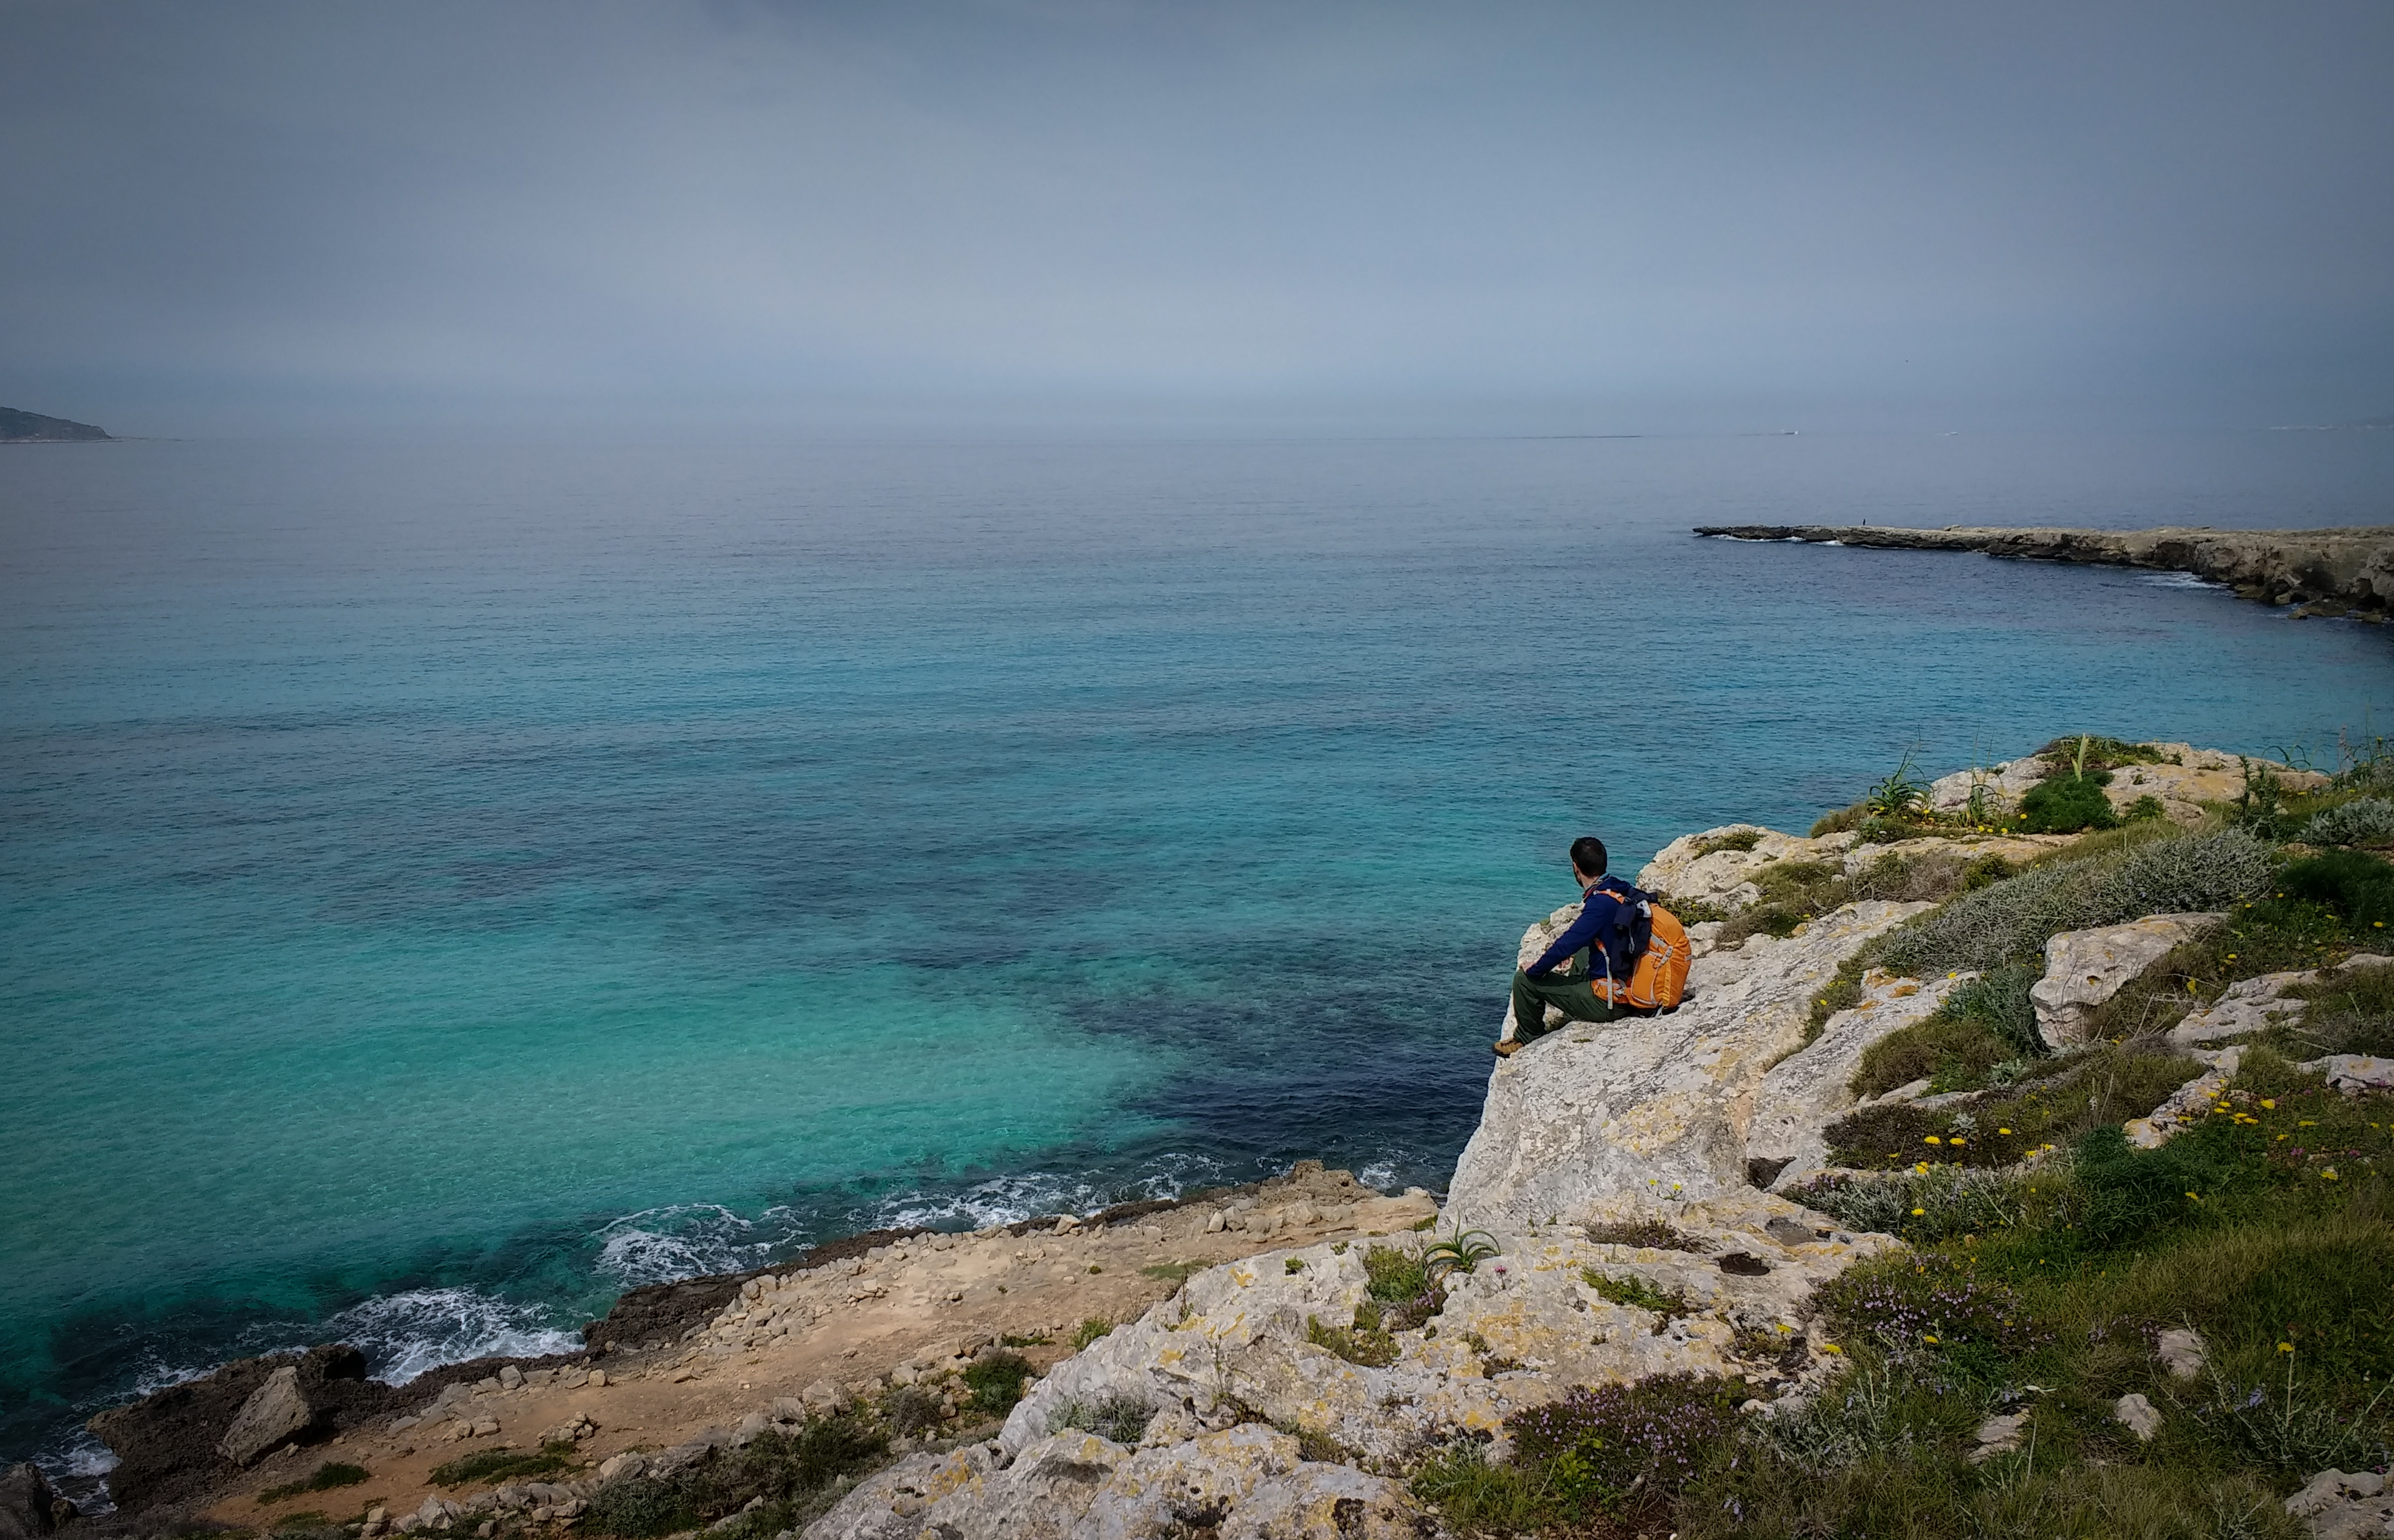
1588,857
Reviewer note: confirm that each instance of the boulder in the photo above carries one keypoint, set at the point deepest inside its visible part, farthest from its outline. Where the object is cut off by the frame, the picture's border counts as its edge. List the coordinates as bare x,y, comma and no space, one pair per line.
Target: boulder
274,1414
1805,1092
1659,1106
28,1506
2083,969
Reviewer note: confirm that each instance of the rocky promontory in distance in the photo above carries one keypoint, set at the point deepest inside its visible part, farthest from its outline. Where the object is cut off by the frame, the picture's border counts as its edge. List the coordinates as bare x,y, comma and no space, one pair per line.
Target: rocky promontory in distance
32,427
2321,572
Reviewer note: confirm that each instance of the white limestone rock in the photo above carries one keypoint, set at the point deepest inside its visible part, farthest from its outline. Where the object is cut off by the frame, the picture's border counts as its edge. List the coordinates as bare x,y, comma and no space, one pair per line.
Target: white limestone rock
2182,1352
2257,1004
2335,1505
1244,1482
2083,969
1812,1088
1658,1106
275,1411
2353,1071
2187,1104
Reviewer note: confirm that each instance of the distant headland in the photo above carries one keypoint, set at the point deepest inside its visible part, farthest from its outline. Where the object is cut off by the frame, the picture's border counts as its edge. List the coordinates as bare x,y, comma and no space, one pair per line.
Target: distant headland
32,427
2321,572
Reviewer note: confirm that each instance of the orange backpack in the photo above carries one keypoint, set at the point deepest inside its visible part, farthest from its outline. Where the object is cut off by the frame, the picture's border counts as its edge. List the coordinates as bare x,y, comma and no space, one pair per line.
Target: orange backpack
1658,971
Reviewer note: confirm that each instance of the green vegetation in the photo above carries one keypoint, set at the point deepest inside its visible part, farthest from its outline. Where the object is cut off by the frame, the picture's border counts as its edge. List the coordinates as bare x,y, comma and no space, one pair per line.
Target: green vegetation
1652,1234
1292,1265
327,1476
1394,1276
2068,803
1170,1273
2352,1013
796,1474
1741,838
1089,1331
1627,1288
2037,1289
1120,1418
1367,1341
1461,1252
2361,821
2105,1085
499,1465
996,1379
1041,1339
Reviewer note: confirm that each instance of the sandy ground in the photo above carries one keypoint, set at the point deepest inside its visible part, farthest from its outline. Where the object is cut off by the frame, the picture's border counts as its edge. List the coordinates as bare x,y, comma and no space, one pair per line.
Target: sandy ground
916,1307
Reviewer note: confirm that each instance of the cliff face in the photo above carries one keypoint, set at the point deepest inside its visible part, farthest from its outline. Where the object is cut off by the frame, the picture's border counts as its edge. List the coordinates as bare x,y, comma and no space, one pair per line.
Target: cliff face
32,427
2328,572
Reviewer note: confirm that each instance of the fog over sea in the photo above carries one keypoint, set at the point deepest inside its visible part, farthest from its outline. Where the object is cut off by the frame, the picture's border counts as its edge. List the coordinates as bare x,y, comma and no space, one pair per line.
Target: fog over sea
442,885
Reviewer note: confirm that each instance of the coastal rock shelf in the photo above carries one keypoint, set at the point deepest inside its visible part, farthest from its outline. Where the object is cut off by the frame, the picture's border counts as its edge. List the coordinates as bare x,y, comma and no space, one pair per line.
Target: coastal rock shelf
2324,572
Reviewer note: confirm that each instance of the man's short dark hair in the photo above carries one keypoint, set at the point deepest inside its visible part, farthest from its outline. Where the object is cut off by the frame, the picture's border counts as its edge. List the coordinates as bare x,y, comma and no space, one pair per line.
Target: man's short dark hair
1587,854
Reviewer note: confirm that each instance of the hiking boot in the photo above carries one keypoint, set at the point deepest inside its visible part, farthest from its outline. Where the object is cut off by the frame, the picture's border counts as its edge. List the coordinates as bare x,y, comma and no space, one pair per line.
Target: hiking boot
1506,1048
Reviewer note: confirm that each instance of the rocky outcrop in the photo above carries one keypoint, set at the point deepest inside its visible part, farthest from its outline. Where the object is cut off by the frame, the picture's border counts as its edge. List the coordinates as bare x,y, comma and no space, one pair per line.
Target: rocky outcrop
1805,1092
2257,1004
2083,969
2334,1505
29,1509
2329,571
274,1413
2184,781
1659,1106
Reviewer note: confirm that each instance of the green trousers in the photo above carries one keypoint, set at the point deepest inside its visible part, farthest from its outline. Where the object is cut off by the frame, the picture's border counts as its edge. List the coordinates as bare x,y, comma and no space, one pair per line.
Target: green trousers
1571,993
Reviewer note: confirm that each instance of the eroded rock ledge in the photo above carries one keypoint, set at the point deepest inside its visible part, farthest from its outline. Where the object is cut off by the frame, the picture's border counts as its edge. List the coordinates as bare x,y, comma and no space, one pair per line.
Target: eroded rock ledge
2323,572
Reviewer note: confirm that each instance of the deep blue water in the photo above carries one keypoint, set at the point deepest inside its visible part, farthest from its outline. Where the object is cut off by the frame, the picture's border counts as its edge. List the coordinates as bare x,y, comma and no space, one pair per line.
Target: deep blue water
440,885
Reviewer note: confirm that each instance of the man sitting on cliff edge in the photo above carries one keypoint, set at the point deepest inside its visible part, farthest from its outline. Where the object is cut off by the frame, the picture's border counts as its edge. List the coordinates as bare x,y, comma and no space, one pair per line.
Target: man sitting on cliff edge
1602,928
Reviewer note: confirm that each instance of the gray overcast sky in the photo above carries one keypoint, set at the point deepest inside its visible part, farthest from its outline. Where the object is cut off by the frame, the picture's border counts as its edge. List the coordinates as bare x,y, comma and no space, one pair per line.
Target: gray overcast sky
262,216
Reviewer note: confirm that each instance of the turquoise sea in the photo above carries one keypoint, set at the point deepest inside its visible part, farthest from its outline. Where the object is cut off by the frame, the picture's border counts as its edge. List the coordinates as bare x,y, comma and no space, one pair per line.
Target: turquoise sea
440,885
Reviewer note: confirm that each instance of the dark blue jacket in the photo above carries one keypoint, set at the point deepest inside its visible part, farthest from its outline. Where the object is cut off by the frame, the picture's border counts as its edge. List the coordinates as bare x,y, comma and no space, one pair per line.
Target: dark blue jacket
1603,923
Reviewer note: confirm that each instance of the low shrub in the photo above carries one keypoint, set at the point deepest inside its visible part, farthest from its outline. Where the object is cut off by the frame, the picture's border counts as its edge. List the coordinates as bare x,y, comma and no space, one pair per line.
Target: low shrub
2086,752
1122,1418
910,1409
2363,821
1930,1304
1648,1233
1604,1446
2352,1013
2108,1086
2012,919
329,1475
2068,804
2357,889
1366,1341
1627,1288
1476,1497
1952,1054
793,1472
1736,838
499,1465
1943,1203
1089,1331
996,1379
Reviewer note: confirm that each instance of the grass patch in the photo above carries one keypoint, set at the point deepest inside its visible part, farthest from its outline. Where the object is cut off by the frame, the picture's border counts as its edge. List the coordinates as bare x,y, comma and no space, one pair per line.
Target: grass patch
499,1465
1366,1341
1736,838
1089,1331
996,1379
1627,1288
796,1474
2108,1086
1040,1339
2350,1013
1170,1273
329,1474
1652,1234
1120,1418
